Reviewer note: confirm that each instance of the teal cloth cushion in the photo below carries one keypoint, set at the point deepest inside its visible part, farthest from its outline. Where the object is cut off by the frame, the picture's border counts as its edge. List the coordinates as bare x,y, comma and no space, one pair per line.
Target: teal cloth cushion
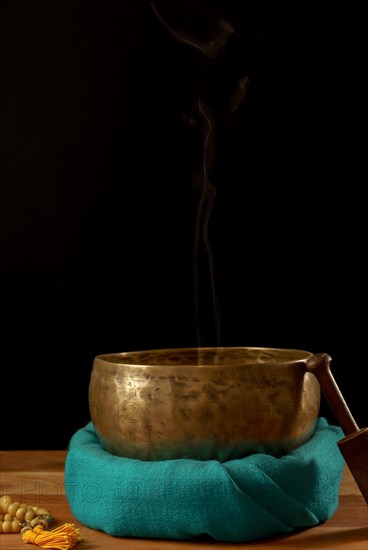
239,500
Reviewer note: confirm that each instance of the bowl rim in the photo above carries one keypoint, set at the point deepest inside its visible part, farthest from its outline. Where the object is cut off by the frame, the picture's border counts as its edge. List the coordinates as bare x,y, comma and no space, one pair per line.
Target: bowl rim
297,356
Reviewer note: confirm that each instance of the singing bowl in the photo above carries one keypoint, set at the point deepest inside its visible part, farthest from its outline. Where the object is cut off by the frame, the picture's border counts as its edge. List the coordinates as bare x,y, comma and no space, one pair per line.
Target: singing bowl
203,403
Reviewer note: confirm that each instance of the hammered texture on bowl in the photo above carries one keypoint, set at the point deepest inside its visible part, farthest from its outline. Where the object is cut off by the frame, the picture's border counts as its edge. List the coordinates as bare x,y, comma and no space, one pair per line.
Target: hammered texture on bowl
209,403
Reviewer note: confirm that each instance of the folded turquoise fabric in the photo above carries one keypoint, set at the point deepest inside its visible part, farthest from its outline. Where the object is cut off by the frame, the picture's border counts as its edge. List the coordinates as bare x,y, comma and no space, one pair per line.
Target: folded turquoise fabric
237,501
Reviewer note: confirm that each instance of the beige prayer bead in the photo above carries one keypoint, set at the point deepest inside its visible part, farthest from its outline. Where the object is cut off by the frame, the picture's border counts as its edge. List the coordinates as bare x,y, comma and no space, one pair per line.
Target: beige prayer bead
7,527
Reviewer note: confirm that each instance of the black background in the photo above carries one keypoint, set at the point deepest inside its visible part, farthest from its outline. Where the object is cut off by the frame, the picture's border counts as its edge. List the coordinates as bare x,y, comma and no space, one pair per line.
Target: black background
102,148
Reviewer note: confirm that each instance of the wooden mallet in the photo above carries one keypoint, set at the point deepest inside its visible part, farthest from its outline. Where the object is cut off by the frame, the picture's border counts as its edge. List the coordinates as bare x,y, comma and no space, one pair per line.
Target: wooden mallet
353,447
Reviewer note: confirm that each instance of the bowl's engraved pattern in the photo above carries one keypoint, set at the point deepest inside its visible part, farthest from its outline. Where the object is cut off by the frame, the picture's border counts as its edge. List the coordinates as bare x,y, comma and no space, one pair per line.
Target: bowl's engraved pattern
209,403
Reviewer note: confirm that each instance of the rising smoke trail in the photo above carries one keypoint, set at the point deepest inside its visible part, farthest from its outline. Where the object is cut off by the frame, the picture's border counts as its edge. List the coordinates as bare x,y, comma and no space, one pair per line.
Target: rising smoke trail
221,32
206,201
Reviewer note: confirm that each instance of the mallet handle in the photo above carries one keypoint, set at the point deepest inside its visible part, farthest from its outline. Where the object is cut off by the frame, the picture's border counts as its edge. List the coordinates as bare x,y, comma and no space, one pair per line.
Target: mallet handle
319,365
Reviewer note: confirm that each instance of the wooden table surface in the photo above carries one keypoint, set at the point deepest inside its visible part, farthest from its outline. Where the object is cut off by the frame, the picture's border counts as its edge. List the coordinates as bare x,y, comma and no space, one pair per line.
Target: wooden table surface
36,477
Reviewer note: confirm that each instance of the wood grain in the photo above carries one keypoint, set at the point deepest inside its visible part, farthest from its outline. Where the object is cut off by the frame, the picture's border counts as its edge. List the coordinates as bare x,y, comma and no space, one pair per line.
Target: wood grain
37,477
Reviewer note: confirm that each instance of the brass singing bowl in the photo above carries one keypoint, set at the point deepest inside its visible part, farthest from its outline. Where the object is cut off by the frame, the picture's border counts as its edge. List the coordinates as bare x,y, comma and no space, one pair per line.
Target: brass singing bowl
207,403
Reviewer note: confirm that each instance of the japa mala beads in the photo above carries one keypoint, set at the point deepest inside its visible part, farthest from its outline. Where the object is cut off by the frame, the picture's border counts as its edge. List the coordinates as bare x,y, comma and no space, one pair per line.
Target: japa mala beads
33,522
13,515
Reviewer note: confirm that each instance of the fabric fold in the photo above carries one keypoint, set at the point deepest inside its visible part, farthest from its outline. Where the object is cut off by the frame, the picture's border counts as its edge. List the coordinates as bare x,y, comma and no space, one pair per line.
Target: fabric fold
236,501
